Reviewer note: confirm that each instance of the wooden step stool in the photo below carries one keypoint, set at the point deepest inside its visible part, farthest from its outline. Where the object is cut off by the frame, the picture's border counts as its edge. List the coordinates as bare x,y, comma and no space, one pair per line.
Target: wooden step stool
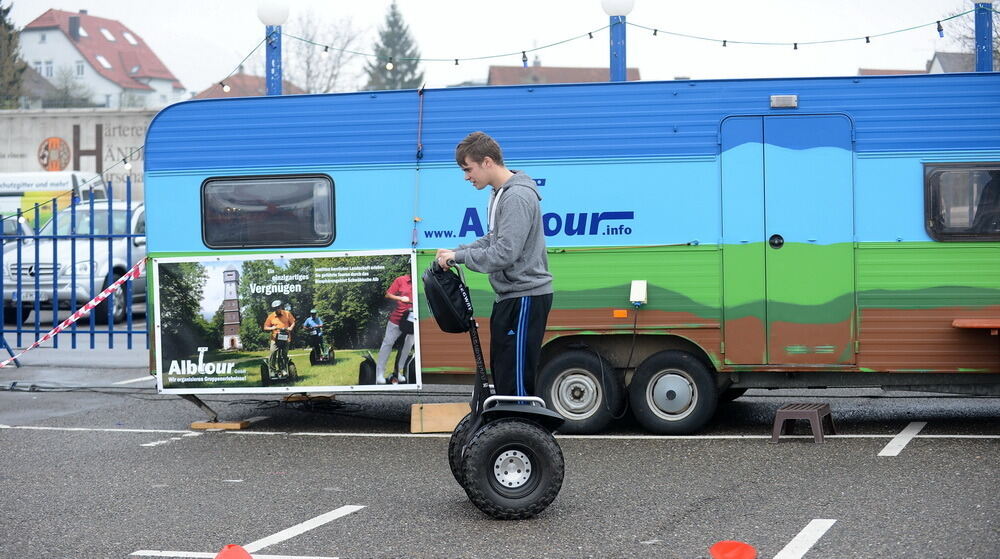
817,414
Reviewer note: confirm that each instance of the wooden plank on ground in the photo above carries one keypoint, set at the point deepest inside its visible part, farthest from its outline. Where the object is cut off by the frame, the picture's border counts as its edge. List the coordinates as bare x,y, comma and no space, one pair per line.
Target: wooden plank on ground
225,425
436,418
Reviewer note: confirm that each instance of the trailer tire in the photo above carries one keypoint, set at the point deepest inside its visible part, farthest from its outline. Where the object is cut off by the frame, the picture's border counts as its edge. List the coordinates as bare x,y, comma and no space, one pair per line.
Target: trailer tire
673,393
584,389
265,376
455,448
535,474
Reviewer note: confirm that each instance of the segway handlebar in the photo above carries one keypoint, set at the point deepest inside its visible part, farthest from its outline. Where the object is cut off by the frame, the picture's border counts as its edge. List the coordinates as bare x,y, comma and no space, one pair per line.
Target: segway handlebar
494,400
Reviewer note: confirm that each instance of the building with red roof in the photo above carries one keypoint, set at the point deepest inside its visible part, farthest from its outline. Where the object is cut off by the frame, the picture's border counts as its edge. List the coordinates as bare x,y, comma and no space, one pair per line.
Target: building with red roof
246,85
105,56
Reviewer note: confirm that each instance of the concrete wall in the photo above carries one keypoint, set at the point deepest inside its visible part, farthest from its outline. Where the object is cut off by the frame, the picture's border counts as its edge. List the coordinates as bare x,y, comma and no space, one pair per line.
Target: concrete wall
25,142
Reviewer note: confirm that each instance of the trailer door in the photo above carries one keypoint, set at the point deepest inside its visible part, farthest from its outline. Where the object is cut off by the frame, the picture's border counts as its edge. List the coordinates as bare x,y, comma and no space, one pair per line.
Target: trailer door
788,229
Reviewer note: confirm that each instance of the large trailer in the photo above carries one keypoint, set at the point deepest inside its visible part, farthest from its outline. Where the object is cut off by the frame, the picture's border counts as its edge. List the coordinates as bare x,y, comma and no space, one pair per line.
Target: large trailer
705,236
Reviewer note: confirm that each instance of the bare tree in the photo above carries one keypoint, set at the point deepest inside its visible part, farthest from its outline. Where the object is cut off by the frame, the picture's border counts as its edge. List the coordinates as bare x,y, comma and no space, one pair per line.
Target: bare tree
321,69
963,32
69,91
316,55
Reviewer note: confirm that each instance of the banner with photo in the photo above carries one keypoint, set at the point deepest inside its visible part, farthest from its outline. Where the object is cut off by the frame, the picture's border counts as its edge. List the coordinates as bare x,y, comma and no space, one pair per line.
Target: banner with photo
316,322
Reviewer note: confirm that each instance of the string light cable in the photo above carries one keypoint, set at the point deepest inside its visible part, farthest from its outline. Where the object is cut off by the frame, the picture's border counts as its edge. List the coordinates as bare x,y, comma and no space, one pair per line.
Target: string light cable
391,61
866,38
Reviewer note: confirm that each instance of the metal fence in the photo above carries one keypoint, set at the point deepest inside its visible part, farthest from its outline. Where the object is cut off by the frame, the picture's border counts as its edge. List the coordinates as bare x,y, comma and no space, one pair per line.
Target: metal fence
59,254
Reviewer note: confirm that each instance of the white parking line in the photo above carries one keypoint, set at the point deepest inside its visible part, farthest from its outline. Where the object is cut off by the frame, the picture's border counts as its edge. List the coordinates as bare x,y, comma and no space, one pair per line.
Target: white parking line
904,437
140,379
199,555
805,539
288,533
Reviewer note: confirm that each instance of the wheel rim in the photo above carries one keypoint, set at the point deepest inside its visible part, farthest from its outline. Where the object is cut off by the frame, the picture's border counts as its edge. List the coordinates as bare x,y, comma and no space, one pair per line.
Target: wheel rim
672,394
576,394
512,469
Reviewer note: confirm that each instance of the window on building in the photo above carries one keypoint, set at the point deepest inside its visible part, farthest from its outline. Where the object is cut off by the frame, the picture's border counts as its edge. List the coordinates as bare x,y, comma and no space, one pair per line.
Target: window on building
37,65
104,61
79,68
962,201
107,100
130,38
83,32
107,35
48,69
41,38
258,212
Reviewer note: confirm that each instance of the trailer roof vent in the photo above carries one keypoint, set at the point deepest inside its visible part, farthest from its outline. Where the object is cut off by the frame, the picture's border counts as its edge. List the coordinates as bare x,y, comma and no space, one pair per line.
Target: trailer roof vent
784,101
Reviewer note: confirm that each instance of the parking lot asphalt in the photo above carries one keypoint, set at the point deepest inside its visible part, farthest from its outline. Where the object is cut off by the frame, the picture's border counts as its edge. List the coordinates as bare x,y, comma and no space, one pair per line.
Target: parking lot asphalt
92,468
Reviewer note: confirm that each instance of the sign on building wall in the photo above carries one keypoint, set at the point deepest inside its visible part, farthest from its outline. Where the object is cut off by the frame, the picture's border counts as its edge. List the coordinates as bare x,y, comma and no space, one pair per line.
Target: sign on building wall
96,140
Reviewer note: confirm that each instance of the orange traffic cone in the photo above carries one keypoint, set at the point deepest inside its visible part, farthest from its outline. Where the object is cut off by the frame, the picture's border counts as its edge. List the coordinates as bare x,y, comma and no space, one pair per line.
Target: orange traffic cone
731,550
233,551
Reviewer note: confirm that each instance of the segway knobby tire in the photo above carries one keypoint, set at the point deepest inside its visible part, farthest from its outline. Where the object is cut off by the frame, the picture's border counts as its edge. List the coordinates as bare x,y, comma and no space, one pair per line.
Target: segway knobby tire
313,357
455,448
265,375
513,469
293,372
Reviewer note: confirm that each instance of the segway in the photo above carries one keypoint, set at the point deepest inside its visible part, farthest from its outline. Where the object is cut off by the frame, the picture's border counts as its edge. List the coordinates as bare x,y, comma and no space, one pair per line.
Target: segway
320,353
282,369
502,453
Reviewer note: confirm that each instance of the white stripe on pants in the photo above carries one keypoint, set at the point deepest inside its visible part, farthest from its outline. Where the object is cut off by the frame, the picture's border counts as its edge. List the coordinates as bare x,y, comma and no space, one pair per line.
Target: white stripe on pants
392,332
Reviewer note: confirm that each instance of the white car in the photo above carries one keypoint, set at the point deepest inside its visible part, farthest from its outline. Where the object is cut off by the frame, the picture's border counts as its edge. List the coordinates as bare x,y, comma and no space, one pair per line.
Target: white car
76,257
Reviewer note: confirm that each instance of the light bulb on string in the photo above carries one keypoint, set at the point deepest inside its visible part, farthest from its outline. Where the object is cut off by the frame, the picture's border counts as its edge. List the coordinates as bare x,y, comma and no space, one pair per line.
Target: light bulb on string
524,58
940,30
225,87
128,166
868,40
389,65
326,50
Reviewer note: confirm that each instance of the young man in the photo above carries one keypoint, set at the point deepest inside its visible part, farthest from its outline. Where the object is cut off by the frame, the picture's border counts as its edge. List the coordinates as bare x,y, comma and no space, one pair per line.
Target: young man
513,253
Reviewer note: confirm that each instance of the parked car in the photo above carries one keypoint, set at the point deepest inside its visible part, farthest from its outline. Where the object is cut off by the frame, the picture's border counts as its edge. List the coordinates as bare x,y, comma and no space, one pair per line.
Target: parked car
80,257
16,230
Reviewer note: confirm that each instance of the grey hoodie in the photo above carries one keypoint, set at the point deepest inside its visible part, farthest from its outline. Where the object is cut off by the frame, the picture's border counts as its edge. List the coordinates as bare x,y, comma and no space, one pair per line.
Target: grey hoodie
513,251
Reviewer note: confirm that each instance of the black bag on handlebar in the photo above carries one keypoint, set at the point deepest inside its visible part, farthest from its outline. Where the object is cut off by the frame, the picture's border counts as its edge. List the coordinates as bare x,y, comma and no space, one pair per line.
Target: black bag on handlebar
448,298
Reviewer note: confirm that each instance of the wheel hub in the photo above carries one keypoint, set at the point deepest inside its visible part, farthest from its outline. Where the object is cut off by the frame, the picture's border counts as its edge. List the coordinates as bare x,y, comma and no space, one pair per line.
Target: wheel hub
512,469
576,394
672,393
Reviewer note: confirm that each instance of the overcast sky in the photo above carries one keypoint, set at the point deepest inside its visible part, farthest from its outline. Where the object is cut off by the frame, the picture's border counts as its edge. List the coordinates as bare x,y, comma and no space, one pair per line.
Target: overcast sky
201,41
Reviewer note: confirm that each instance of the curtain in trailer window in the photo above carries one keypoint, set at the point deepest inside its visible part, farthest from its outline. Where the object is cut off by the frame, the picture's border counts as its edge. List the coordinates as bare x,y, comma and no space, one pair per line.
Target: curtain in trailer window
963,201
268,212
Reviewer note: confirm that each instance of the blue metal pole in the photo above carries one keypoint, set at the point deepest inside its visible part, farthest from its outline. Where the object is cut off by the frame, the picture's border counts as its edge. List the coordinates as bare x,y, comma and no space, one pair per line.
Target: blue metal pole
273,69
984,37
618,72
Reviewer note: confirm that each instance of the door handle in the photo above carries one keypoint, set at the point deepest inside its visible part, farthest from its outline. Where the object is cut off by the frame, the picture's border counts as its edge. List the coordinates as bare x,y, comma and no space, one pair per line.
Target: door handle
776,241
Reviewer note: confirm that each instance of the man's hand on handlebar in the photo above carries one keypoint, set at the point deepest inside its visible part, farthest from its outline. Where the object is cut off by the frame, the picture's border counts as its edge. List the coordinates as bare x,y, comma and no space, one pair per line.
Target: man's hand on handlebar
445,258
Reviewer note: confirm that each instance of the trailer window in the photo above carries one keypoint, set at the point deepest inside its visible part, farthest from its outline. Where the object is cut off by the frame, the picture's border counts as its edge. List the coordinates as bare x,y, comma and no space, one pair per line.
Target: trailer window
962,201
257,212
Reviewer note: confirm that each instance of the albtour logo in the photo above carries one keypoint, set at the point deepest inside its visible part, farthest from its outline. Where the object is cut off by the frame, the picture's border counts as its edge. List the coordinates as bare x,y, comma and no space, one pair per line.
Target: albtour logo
570,224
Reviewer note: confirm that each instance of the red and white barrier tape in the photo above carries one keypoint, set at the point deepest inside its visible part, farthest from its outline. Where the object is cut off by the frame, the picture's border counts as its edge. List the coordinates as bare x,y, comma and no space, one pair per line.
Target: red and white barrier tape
84,310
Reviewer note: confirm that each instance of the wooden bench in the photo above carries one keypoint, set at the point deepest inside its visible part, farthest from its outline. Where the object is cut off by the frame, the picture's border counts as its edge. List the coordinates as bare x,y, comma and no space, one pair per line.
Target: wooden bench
991,324
817,414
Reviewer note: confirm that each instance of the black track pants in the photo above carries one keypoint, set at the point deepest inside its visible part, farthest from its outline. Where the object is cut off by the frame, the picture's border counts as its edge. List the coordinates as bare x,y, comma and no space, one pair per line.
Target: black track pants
516,329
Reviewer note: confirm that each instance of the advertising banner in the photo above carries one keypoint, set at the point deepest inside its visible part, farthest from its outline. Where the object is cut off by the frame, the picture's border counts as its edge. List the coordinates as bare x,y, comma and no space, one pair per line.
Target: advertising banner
316,322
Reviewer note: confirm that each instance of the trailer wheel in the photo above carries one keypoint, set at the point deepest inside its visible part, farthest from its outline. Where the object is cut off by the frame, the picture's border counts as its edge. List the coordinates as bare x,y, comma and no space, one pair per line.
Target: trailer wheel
513,469
265,375
673,393
455,448
584,389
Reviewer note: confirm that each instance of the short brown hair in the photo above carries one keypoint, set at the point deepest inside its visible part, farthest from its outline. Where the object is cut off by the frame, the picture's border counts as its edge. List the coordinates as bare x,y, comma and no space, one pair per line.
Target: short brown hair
477,147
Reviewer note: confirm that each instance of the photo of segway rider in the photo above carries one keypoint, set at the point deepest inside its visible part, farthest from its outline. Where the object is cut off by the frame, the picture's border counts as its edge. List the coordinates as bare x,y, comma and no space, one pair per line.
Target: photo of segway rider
279,319
314,326
398,325
513,253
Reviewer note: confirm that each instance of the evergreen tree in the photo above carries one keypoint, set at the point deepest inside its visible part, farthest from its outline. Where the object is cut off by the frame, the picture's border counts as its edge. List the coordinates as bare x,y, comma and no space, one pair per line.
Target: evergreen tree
396,46
11,66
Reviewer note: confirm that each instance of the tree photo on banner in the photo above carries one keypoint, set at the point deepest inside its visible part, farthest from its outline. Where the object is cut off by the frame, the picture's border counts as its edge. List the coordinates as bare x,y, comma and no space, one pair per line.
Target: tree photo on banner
215,318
